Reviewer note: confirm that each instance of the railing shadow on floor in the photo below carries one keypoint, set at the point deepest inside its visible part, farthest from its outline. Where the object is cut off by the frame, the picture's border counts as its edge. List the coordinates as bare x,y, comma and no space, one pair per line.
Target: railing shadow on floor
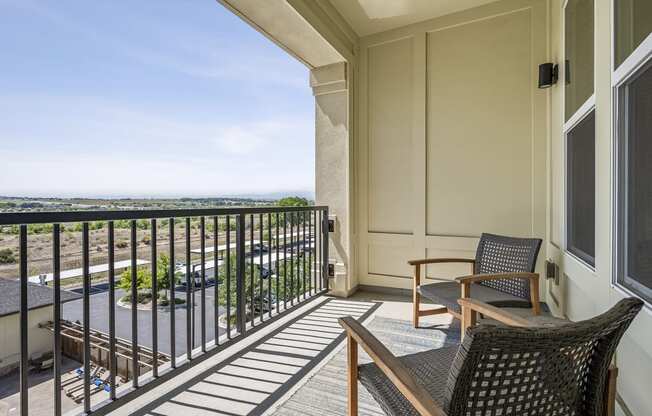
252,380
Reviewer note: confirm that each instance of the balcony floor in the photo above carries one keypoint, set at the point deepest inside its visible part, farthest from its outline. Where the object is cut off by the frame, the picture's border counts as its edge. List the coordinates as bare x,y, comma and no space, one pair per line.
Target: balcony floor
275,370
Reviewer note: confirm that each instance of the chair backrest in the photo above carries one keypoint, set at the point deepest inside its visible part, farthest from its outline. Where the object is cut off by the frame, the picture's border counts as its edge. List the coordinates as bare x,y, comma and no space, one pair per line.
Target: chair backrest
534,371
501,254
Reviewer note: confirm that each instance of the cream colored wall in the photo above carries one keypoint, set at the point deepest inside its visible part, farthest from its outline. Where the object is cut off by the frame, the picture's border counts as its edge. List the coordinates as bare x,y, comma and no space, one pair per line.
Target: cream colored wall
334,127
329,86
40,340
452,138
586,292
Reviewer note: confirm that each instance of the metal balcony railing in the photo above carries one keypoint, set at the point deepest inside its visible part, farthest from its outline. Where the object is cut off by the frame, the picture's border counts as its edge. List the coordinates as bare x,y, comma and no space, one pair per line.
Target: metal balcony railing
281,260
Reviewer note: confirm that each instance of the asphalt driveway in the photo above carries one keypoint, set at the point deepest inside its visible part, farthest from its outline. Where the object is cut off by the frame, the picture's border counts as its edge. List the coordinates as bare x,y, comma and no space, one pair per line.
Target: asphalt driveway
99,316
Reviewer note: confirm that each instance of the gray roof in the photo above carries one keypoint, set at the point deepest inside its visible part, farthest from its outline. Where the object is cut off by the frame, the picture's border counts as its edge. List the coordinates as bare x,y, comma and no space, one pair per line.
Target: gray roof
37,296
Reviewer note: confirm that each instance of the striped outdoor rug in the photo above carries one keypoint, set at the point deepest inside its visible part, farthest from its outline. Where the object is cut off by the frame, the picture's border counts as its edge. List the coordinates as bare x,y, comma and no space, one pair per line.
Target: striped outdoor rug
254,379
325,392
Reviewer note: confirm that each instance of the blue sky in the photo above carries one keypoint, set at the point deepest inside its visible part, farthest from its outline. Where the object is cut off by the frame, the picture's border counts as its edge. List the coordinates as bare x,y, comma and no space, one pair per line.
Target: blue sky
148,98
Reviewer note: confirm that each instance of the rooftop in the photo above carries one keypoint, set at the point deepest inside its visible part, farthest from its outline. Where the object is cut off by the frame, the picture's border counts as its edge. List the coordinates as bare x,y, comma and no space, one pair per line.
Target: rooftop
37,296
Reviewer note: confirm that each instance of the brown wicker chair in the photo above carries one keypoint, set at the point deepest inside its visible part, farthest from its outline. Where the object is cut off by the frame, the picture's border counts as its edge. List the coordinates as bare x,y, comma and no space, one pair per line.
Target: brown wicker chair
503,276
529,370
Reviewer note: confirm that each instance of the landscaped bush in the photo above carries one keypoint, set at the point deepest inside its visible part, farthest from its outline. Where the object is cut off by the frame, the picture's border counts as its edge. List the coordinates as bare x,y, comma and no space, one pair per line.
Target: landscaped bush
7,256
177,301
141,297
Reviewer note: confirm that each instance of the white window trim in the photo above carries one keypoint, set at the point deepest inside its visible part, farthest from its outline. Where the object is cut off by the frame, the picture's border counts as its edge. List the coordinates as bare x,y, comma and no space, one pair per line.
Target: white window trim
633,63
619,76
582,112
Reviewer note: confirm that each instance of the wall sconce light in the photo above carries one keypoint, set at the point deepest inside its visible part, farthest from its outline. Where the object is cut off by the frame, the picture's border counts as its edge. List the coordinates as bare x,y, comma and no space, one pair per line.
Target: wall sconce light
548,75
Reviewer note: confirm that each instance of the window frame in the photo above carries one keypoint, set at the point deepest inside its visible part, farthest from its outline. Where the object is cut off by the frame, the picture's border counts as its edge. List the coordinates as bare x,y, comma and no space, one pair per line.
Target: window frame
580,114
639,59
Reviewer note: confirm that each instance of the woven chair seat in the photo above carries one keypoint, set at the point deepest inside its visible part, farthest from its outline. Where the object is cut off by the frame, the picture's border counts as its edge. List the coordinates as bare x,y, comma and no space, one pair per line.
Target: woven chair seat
429,368
447,294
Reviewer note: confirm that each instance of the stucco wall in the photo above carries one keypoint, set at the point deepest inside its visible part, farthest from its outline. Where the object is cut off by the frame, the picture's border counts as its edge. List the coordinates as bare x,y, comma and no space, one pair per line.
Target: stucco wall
40,340
332,141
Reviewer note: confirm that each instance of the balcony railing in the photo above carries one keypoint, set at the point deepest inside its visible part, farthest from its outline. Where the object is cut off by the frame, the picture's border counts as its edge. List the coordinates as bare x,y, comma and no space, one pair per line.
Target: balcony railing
281,260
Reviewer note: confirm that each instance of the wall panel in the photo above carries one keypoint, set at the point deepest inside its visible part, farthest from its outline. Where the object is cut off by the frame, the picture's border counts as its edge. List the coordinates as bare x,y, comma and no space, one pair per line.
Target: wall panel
390,136
452,138
480,167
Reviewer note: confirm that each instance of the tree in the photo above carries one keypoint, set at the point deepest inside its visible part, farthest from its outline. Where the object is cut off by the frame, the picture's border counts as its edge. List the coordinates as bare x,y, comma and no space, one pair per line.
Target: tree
163,273
143,279
288,281
293,201
222,278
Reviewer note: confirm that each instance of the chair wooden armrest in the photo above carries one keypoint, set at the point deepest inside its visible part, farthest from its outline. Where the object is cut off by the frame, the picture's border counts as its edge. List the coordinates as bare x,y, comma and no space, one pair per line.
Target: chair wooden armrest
419,262
474,278
389,365
466,281
474,306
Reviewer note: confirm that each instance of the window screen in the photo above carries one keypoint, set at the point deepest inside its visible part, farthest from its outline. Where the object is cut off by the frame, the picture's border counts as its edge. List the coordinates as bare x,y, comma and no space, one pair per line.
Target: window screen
633,23
635,190
580,186
579,54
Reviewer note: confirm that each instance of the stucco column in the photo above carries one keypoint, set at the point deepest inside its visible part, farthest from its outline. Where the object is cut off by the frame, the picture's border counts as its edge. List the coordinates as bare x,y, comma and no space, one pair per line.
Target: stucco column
330,88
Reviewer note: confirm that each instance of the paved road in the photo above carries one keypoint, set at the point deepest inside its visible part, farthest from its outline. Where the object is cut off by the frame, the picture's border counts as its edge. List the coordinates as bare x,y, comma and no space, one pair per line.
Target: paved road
99,302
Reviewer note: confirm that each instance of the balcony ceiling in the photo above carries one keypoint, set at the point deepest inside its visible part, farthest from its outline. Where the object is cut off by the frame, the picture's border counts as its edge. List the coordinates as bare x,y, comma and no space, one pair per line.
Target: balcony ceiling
367,17
280,22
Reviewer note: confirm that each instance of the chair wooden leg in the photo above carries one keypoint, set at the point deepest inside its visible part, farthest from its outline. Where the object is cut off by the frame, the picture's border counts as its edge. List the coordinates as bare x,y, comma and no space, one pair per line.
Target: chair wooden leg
352,375
468,315
469,318
612,375
416,299
534,296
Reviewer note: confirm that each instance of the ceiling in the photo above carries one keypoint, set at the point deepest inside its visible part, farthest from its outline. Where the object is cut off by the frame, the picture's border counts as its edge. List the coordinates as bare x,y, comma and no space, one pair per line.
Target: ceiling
281,23
367,17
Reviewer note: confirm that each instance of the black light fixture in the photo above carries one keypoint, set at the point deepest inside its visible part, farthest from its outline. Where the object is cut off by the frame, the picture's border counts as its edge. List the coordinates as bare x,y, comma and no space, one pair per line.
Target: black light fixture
548,74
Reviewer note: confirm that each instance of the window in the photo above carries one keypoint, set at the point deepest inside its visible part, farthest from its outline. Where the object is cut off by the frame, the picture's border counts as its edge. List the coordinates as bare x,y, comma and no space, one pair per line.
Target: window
633,110
579,129
580,188
633,23
578,44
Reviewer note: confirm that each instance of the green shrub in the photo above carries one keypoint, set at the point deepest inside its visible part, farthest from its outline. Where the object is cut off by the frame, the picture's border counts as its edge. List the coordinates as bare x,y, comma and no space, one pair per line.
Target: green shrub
141,297
177,301
7,256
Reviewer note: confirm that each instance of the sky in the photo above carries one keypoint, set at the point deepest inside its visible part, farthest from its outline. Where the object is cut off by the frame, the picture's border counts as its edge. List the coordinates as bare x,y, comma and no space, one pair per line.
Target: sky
148,98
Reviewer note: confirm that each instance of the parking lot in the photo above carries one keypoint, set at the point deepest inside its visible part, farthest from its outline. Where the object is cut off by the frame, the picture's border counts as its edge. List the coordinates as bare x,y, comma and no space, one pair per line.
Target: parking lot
99,317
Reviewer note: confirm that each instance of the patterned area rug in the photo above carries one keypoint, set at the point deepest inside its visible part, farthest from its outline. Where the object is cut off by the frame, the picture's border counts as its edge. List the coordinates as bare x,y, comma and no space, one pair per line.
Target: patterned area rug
325,392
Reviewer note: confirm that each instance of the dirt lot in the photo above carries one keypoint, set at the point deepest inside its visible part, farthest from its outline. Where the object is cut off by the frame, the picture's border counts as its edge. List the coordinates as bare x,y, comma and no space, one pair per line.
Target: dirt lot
39,248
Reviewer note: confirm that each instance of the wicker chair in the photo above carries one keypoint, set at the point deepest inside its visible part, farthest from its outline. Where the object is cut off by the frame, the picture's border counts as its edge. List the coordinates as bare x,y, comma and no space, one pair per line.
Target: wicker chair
503,276
527,370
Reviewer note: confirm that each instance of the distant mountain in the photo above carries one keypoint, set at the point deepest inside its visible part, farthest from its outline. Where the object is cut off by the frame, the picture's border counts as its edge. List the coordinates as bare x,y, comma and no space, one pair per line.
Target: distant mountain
252,196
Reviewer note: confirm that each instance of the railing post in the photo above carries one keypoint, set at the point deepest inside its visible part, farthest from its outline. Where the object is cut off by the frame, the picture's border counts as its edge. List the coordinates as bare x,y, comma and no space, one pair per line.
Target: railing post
24,357
241,317
324,229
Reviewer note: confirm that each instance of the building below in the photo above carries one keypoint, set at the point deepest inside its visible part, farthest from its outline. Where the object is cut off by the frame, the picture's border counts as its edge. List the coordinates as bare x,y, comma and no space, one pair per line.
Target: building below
39,300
